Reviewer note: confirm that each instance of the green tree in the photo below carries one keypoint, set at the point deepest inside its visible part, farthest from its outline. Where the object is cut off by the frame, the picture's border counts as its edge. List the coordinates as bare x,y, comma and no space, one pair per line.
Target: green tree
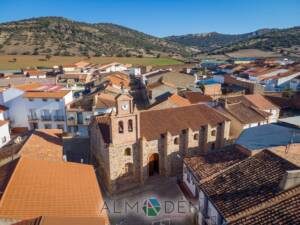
48,57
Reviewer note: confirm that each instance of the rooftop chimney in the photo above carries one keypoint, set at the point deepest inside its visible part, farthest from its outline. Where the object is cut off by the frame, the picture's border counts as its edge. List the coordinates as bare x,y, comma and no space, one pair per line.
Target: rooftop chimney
290,179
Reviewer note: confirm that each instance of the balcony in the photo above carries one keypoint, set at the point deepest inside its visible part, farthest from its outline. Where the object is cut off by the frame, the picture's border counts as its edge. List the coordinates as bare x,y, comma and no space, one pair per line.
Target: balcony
71,121
32,117
46,118
59,118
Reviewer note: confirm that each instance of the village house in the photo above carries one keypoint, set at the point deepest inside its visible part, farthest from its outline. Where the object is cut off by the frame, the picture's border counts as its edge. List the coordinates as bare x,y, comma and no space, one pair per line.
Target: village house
4,133
261,180
172,101
45,108
79,112
128,146
159,91
35,73
197,97
4,125
242,116
113,67
258,102
117,80
27,102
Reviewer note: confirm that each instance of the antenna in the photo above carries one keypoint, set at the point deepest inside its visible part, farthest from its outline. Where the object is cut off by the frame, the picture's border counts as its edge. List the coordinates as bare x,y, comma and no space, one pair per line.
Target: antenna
292,137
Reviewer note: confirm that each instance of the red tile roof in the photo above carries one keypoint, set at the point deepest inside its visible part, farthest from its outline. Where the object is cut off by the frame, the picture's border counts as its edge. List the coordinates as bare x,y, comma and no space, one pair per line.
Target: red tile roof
44,144
54,189
104,100
246,114
247,184
153,123
178,100
256,100
204,166
260,102
27,87
284,211
197,97
46,94
45,220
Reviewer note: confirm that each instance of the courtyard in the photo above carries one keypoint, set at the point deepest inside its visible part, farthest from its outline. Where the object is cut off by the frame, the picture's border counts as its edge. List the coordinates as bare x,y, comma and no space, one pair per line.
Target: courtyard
158,202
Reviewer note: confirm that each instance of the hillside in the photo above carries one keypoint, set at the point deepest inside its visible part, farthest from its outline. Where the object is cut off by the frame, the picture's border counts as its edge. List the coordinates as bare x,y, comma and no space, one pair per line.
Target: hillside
277,40
213,40
62,37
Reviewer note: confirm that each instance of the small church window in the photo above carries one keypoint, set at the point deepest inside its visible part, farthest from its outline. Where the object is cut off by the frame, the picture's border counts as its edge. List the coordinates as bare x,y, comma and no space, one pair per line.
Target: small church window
121,127
213,133
176,141
130,126
196,136
127,152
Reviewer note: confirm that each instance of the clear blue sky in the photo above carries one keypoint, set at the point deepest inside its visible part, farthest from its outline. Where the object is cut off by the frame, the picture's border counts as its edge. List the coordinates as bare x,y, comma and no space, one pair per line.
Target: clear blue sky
164,17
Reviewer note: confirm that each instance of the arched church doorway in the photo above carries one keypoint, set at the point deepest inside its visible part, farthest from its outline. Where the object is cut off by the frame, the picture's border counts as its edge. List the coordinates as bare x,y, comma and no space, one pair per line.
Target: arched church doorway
153,164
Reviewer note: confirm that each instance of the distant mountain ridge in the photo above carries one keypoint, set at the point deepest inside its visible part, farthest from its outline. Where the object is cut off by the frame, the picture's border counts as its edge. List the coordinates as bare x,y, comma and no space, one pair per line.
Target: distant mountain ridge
263,39
60,36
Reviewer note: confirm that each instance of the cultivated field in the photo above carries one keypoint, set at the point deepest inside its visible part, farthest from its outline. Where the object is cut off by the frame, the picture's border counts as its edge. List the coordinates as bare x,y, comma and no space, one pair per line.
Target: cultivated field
7,61
252,53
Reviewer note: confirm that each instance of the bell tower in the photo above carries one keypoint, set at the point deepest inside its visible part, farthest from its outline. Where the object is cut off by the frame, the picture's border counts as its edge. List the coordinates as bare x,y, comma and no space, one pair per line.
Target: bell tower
125,121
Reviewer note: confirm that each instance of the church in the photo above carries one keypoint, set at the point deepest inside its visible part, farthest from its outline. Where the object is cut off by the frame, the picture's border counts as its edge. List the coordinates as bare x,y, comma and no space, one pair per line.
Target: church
129,146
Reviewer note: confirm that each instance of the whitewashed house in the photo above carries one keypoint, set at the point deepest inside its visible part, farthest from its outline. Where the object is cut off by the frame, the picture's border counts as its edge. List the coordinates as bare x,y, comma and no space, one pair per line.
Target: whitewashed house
112,67
46,109
35,106
4,133
4,126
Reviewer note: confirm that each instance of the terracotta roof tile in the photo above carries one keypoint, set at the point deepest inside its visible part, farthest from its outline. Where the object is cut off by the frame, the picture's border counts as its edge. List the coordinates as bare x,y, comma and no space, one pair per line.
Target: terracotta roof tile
153,123
54,189
35,72
46,94
27,87
246,114
63,221
212,163
197,97
178,100
104,100
260,101
247,184
256,100
285,211
44,144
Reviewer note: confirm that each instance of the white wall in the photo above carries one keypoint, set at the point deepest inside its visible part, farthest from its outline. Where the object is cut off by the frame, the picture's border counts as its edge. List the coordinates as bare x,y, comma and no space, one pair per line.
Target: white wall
18,112
189,180
4,135
52,105
212,213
